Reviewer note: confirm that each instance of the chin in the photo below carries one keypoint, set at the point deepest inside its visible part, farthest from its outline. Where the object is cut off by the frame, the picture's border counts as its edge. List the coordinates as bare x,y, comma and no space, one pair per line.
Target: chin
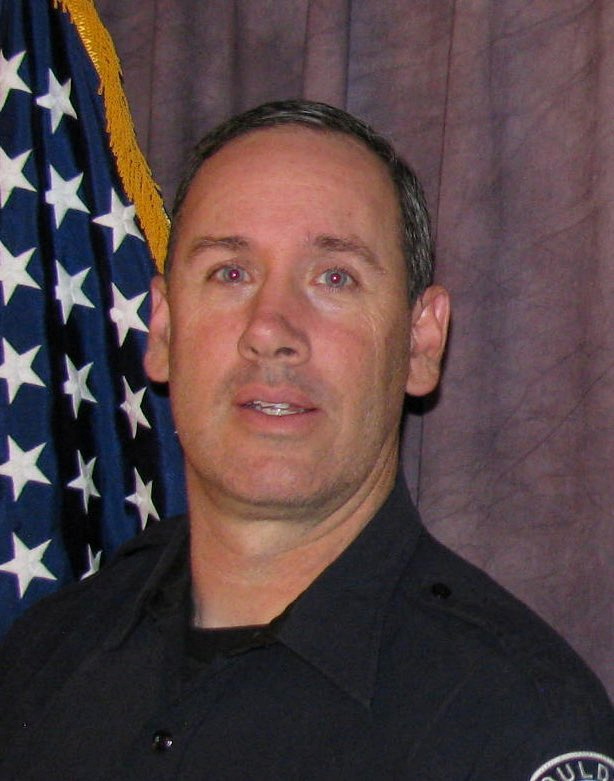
286,496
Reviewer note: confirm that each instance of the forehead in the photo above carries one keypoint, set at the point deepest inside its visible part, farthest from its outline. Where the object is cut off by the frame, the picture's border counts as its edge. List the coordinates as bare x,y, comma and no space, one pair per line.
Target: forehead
282,186
295,155
300,137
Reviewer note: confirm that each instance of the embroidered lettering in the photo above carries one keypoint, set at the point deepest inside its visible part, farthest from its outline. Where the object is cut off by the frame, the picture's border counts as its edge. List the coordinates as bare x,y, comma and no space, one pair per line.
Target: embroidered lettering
576,766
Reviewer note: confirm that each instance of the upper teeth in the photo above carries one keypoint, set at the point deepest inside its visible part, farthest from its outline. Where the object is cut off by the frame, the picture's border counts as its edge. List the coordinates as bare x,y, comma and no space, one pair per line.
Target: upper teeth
275,408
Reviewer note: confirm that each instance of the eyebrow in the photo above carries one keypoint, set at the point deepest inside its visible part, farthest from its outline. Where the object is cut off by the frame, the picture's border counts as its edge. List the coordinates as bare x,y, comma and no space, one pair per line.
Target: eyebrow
202,243
347,245
330,243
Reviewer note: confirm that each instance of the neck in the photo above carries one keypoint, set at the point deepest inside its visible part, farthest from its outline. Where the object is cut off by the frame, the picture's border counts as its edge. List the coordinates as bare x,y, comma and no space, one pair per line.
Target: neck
247,571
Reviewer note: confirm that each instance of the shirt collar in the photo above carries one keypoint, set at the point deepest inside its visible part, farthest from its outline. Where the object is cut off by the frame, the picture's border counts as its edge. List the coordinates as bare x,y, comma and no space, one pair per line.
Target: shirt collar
336,623
165,586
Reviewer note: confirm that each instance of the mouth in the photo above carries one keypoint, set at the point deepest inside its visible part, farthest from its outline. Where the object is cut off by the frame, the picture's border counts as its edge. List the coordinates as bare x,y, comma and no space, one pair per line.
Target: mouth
276,408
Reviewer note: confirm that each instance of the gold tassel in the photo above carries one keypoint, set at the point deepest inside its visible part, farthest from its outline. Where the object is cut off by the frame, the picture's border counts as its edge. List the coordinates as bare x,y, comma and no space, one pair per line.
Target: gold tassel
133,169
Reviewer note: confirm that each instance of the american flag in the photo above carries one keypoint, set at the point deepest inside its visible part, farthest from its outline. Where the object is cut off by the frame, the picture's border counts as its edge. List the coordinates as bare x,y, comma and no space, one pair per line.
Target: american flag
88,454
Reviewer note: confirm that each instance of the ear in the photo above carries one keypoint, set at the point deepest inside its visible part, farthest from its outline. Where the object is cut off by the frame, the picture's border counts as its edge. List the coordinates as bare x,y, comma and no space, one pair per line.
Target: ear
156,356
429,330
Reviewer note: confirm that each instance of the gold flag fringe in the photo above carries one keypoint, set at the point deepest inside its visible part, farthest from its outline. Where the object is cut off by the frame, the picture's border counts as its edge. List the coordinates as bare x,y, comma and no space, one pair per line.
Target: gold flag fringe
133,169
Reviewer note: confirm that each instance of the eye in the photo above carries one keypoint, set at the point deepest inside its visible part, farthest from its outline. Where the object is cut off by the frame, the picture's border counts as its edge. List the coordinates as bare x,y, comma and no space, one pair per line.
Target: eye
336,278
229,274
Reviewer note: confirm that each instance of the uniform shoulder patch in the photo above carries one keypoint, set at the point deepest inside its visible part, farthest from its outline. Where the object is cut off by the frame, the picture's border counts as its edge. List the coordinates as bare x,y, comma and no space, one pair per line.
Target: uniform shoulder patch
576,766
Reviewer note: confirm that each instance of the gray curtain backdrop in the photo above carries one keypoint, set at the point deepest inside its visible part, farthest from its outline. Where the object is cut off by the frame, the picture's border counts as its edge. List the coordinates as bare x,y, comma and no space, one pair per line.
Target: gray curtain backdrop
506,110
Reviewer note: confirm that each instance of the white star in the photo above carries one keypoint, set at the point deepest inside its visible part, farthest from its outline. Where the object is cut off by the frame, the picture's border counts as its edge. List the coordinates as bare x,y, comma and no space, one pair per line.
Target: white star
57,100
9,78
141,499
132,407
21,467
11,175
62,195
124,313
85,480
93,563
121,221
68,290
76,385
27,564
17,369
13,271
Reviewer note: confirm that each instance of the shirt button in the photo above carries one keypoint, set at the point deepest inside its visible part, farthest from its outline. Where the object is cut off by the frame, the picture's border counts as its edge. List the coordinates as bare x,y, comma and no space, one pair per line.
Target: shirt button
162,740
440,590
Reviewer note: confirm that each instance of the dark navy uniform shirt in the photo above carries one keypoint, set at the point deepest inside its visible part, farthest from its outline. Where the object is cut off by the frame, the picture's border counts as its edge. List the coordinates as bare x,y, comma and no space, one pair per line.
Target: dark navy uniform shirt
400,661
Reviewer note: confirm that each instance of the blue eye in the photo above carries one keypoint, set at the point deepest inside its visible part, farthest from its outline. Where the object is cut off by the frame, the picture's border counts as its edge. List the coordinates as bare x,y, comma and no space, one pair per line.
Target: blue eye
336,278
230,274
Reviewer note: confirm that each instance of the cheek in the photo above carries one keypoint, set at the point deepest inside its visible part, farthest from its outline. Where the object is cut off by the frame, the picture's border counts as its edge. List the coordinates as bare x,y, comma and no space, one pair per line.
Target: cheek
378,341
200,353
370,368
197,338
390,337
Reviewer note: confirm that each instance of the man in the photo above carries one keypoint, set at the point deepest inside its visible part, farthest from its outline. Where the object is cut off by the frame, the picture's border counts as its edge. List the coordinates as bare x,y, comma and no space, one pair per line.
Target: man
307,626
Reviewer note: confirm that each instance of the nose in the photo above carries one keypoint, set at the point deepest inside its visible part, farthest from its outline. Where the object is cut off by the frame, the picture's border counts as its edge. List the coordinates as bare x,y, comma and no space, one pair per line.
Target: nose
274,332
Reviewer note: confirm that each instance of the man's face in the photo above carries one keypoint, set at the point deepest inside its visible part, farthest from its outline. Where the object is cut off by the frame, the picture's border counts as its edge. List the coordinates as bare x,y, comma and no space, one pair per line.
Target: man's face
285,328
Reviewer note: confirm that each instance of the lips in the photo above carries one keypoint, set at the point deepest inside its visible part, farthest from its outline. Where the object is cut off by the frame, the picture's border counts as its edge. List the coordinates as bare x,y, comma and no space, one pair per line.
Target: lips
278,408
276,402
